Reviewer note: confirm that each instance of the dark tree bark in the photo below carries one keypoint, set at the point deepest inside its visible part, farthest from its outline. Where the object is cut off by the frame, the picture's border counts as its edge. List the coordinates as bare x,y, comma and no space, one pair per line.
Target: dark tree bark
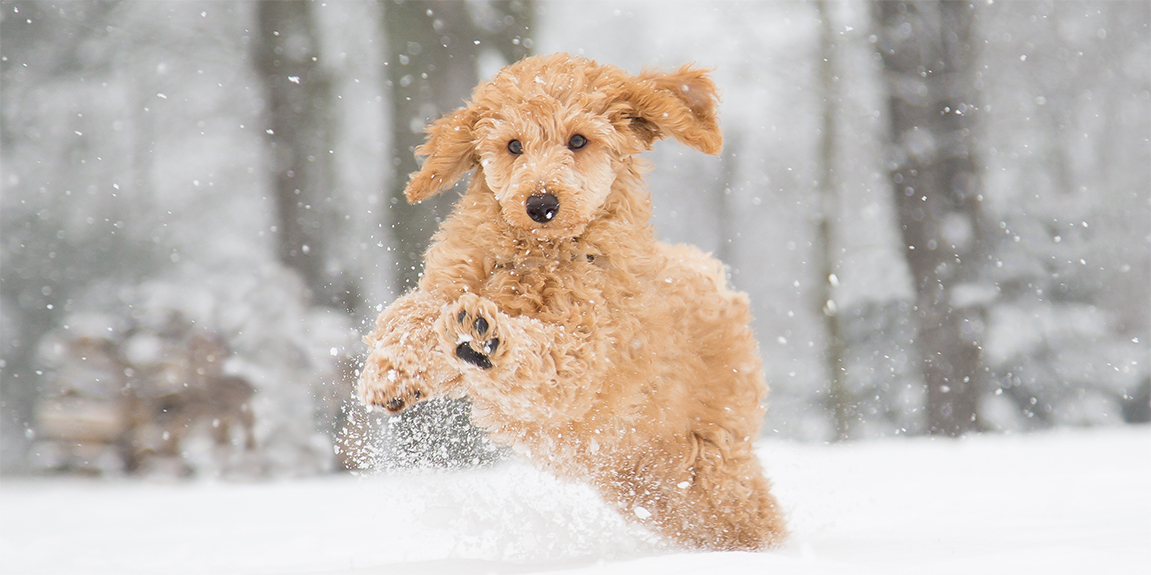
300,137
929,55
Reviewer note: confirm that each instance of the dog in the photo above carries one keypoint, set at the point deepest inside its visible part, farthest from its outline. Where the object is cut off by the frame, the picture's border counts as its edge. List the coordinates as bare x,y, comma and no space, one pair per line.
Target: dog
593,349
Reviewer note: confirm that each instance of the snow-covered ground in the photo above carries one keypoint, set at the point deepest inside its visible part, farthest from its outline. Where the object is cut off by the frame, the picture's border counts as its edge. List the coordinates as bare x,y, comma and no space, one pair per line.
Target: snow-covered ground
1058,502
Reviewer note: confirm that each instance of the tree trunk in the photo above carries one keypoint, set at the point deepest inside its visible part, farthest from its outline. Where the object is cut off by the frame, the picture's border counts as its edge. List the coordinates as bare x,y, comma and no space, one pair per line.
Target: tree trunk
929,55
838,396
300,138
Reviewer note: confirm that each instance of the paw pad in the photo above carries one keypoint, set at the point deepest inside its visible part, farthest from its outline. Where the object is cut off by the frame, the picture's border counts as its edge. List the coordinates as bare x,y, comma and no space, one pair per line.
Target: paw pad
473,344
465,352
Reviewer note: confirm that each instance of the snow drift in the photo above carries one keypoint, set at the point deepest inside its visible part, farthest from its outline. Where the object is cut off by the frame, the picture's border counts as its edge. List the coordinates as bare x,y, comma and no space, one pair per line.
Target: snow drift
1055,502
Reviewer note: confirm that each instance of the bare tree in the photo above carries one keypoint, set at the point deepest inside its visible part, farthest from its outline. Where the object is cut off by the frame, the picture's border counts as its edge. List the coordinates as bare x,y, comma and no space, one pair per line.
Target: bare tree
300,137
929,55
838,396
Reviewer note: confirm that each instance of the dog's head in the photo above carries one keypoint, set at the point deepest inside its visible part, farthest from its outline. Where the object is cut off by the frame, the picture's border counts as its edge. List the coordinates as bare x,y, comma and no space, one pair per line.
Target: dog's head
552,132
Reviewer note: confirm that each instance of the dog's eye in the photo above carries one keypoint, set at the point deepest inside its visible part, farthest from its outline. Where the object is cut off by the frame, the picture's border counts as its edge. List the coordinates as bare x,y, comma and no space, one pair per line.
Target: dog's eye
515,148
577,141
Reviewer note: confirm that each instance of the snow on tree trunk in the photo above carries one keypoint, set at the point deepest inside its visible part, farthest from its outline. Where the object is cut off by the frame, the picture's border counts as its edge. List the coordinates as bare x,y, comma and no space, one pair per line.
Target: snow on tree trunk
867,291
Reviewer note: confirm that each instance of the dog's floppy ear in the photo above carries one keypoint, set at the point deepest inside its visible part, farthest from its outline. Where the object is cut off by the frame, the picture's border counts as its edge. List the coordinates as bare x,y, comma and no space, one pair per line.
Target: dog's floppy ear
450,151
679,104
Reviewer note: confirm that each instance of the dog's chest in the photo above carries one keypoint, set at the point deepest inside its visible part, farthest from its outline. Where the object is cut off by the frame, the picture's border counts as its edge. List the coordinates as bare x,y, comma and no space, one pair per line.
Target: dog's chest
535,285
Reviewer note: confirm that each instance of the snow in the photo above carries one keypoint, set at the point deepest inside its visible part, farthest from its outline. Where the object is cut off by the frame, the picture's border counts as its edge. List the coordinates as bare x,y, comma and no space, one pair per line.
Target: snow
1065,501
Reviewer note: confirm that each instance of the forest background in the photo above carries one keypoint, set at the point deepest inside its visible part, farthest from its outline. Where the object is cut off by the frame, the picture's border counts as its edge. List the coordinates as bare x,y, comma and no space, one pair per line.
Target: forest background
941,212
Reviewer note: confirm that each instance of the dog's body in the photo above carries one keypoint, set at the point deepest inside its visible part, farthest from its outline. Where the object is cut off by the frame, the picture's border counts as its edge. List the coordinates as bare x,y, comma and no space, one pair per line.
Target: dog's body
587,345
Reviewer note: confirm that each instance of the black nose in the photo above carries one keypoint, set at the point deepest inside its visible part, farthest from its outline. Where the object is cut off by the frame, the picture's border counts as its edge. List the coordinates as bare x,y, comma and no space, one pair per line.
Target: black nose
542,208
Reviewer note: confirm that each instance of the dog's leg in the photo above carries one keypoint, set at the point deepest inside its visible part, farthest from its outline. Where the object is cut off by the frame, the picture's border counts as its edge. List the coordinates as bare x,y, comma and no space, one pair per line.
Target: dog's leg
404,364
522,368
698,493
733,504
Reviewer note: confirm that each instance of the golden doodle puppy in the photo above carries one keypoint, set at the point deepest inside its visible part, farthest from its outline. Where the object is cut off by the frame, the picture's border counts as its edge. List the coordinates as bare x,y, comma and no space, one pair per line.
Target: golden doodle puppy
597,351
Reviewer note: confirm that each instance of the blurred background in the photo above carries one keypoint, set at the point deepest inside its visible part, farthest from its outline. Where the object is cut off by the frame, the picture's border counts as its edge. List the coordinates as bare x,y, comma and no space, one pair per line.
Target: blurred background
941,212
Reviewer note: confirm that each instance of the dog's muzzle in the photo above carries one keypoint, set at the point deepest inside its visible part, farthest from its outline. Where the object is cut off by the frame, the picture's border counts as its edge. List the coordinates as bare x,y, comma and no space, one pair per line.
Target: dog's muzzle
542,208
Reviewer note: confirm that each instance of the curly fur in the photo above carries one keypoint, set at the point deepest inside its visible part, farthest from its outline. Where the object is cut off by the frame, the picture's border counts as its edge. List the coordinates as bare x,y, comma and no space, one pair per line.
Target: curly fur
589,346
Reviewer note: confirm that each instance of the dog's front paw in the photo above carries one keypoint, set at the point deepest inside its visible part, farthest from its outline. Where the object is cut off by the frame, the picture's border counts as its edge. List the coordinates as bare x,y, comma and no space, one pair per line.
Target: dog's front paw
384,383
468,330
